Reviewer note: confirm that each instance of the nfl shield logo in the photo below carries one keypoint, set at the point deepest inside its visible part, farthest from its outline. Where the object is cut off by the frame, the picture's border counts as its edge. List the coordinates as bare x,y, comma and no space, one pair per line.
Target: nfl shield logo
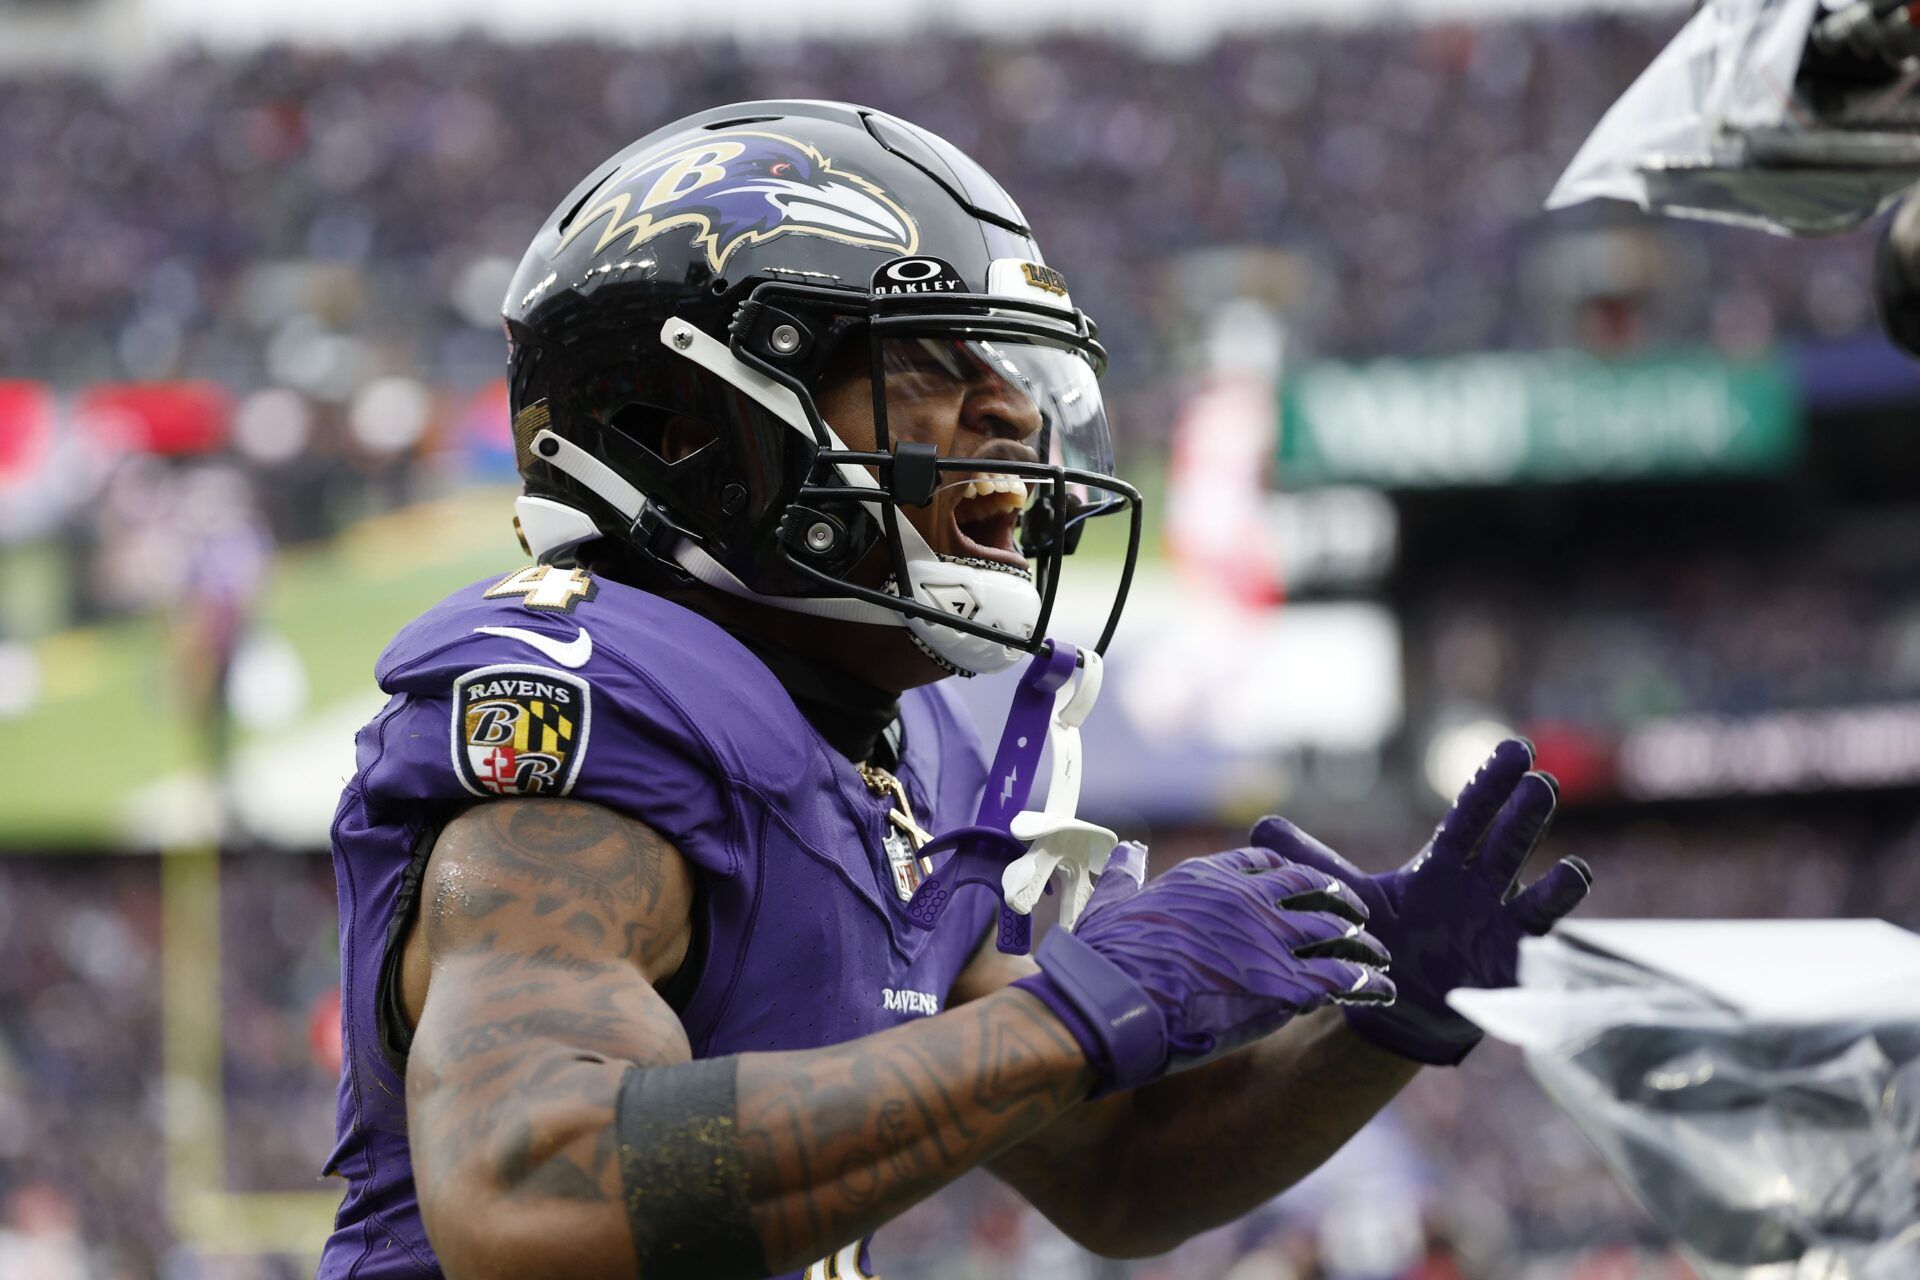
908,867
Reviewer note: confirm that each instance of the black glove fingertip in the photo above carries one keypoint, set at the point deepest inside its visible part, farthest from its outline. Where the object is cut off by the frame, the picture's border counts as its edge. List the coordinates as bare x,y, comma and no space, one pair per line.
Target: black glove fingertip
1330,901
1356,950
1371,988
1537,908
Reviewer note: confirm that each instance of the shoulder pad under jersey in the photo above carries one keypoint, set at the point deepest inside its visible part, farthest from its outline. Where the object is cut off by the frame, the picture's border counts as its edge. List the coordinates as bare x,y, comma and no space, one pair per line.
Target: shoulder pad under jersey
641,674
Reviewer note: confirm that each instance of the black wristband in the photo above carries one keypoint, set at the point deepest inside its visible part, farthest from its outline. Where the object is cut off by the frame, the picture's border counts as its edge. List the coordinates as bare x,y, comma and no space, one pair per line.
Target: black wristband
685,1183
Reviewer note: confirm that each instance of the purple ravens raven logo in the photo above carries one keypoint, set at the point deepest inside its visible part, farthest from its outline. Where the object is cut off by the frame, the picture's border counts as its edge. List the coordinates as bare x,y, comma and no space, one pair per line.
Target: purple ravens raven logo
741,187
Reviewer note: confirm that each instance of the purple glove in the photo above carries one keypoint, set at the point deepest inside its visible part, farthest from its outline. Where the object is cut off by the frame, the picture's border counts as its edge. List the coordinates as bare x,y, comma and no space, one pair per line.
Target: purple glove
1217,952
1453,917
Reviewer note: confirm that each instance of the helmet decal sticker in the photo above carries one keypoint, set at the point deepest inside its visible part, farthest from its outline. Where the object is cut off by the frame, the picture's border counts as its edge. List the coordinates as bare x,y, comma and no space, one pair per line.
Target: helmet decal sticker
741,187
1043,277
917,275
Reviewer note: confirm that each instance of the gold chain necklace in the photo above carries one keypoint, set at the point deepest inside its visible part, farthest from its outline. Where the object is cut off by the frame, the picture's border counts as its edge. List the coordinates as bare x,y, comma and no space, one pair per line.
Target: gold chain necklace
905,837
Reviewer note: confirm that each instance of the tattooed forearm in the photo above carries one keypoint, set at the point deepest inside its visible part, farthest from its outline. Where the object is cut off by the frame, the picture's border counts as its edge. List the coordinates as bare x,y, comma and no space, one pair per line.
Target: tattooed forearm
839,1140
805,1152
1318,1085
1140,1172
552,1096
1246,1128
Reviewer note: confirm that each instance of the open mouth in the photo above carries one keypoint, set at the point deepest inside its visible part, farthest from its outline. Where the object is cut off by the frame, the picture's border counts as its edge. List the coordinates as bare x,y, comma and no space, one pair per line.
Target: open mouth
986,518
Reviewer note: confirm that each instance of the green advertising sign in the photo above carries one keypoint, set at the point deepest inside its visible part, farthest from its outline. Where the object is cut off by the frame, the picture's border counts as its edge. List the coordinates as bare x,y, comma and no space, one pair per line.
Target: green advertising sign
1551,417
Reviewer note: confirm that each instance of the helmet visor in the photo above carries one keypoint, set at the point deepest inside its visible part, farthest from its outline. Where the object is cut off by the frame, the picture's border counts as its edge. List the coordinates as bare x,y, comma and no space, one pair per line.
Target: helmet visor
1002,399
1013,456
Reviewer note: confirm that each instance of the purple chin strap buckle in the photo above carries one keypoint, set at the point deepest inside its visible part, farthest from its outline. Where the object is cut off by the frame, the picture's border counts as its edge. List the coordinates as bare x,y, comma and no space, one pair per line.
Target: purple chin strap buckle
982,852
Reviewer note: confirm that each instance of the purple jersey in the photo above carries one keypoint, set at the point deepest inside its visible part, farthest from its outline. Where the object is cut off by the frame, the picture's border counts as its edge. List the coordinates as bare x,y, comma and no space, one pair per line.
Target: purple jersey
551,682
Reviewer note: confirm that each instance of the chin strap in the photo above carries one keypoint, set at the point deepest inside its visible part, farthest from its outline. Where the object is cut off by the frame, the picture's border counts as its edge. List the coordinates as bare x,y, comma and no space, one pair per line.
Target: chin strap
705,569
563,455
1015,850
1056,840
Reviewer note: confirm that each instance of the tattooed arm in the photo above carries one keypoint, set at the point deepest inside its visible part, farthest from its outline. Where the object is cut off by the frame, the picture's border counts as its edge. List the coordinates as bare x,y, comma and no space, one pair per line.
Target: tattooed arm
1197,1150
559,1128
1136,1173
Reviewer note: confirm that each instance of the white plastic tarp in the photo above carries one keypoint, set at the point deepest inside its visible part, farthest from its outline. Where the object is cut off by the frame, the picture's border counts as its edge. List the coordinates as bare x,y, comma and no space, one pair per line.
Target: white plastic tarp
1715,129
1754,1084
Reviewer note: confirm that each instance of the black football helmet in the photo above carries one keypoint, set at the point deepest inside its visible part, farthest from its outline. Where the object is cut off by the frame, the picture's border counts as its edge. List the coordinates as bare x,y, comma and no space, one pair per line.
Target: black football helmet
677,321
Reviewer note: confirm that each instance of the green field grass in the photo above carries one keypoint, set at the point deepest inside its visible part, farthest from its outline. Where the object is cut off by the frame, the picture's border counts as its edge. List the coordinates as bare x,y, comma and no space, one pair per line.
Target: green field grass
109,718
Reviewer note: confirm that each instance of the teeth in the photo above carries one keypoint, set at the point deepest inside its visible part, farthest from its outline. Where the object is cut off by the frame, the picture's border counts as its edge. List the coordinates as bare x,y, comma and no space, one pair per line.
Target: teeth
995,484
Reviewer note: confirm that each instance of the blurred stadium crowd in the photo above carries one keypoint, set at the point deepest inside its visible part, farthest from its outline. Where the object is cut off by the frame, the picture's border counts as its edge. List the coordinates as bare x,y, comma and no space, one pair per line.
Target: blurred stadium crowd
305,249
315,219
318,241
1699,634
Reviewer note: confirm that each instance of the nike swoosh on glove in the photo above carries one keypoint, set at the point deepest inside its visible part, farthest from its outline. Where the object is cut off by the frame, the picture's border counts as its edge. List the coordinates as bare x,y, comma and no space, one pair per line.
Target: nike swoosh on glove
1210,956
1454,916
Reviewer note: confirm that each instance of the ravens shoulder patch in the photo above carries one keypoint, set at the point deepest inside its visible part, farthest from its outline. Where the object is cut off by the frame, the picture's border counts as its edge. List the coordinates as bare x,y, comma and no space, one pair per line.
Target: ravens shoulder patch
519,730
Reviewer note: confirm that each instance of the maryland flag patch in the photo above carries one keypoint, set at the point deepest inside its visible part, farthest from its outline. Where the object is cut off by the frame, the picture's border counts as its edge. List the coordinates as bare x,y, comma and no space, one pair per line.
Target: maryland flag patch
519,730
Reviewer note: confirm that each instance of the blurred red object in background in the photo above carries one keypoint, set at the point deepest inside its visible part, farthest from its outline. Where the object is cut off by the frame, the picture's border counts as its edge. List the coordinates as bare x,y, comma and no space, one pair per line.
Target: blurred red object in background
1580,760
323,1032
26,427
156,417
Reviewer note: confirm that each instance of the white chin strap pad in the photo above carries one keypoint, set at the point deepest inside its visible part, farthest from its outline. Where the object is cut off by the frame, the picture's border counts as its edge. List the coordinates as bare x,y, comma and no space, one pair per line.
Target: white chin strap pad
1003,601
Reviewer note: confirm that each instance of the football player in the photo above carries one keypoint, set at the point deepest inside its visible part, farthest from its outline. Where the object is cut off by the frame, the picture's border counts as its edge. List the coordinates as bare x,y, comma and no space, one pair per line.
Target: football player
806,424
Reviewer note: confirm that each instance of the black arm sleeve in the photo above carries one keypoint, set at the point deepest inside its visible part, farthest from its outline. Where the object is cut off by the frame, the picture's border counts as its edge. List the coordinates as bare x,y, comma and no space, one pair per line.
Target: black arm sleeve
1897,294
